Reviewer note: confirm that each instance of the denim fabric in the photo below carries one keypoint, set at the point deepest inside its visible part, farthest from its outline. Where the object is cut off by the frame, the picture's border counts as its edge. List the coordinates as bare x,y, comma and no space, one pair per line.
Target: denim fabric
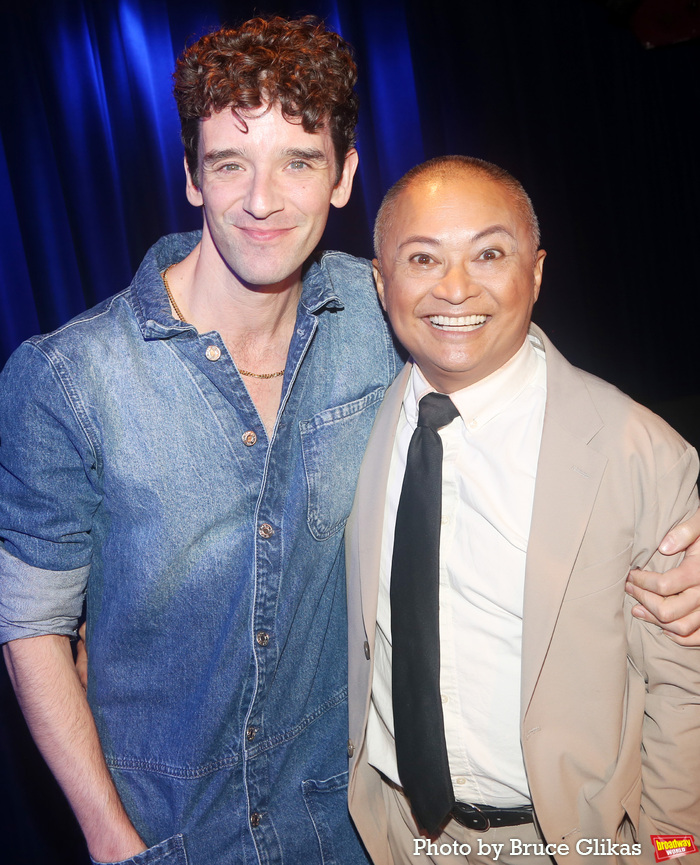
217,646
168,852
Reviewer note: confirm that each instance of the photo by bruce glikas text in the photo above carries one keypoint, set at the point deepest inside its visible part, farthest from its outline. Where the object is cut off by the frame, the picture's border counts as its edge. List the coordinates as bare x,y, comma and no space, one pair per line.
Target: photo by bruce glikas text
584,847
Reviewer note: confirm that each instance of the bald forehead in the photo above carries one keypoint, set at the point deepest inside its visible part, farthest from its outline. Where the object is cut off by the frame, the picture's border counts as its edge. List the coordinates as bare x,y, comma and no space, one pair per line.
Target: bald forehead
453,175
443,170
423,188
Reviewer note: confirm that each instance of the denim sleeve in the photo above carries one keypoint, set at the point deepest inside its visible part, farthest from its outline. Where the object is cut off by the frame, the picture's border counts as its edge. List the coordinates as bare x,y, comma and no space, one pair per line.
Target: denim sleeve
35,601
48,495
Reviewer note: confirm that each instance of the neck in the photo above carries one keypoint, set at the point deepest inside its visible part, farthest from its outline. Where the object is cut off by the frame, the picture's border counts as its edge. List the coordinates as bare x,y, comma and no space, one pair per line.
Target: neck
255,323
212,298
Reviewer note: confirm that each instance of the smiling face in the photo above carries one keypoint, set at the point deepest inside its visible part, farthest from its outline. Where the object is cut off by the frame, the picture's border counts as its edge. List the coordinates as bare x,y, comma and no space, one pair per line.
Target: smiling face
458,276
266,192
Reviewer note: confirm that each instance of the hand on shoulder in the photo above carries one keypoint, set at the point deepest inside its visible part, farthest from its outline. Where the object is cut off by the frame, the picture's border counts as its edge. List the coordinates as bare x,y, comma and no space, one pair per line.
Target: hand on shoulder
672,599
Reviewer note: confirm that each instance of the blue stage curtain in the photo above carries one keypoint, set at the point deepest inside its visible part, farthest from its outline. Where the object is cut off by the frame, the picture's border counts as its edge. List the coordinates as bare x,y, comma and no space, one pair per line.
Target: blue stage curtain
92,168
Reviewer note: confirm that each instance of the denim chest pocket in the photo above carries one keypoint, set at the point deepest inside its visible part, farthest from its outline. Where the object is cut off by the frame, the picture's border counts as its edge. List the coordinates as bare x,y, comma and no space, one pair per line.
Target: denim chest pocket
333,444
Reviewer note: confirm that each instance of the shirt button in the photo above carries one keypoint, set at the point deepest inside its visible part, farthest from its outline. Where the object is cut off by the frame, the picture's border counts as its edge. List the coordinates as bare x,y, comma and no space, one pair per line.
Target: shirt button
460,780
473,424
255,819
251,733
249,438
443,697
266,531
366,650
213,352
351,748
262,638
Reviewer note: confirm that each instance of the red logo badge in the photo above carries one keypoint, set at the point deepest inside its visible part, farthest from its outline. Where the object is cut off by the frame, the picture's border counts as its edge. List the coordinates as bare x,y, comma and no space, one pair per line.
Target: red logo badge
669,846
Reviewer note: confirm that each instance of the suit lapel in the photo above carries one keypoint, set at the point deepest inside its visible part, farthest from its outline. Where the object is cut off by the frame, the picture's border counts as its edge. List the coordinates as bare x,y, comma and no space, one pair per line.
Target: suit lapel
371,496
569,472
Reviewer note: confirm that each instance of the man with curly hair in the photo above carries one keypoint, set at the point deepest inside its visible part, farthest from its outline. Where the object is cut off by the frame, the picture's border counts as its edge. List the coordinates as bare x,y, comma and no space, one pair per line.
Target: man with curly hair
197,440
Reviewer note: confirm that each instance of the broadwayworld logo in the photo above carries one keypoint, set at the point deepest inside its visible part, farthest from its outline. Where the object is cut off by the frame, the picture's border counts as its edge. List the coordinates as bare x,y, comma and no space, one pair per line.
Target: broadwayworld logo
669,846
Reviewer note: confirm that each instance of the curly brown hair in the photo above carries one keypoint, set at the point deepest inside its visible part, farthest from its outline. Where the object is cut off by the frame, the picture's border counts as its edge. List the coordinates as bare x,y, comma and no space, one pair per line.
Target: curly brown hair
297,64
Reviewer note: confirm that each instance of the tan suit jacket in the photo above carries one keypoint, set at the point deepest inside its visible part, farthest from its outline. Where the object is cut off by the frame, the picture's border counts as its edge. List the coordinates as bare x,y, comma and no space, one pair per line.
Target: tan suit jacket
610,707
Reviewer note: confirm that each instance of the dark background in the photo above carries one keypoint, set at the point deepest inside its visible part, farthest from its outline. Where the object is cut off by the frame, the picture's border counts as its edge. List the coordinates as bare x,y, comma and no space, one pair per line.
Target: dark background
594,106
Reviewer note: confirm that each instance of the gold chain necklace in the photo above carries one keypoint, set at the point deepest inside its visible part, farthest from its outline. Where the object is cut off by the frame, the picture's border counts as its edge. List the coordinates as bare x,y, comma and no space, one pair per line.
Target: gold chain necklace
176,308
179,314
261,374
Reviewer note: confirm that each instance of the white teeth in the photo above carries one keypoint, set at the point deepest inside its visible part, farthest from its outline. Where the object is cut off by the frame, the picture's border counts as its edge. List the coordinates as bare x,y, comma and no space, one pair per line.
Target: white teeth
465,322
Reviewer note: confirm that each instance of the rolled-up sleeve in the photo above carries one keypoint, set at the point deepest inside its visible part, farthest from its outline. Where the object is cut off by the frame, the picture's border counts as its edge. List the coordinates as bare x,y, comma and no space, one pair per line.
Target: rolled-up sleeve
48,497
35,601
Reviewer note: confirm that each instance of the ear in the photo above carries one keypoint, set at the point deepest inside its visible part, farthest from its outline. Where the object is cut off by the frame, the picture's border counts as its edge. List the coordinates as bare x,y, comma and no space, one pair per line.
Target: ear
341,191
379,282
539,264
194,195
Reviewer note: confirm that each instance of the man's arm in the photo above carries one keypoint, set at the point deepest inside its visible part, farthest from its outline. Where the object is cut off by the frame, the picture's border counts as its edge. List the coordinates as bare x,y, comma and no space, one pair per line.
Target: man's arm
672,599
670,796
49,491
56,709
668,672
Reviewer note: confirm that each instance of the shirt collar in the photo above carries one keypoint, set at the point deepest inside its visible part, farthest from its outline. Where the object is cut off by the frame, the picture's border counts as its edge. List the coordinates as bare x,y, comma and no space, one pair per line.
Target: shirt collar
480,402
150,300
318,291
147,291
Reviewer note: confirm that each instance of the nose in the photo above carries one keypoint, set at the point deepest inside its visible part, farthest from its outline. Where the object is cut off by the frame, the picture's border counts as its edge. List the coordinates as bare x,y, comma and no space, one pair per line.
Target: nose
456,286
262,197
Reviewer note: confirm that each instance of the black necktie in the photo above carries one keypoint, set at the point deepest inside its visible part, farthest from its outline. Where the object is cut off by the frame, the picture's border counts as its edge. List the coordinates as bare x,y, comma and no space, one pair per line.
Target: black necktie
421,751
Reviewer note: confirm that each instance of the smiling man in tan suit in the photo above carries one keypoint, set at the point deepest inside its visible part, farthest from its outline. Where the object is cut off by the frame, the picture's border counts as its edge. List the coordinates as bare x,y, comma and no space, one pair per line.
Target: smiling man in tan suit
563,722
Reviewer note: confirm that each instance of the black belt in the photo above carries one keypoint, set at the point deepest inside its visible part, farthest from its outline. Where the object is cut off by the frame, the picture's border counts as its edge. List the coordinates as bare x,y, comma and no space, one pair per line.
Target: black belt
483,817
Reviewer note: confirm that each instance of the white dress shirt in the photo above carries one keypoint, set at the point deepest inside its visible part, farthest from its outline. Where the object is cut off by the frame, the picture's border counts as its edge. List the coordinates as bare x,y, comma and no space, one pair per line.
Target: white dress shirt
490,457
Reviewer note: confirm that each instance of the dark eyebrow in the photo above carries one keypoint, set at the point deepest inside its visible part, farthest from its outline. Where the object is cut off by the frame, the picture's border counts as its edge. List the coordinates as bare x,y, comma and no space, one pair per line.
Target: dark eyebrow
311,154
215,155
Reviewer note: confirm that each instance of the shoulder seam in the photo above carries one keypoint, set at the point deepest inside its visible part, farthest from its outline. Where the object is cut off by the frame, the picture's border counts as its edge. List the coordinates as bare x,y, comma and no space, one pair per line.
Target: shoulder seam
73,400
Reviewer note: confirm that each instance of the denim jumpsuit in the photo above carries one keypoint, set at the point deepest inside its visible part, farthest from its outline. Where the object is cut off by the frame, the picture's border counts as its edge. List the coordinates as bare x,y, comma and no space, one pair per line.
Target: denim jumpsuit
136,473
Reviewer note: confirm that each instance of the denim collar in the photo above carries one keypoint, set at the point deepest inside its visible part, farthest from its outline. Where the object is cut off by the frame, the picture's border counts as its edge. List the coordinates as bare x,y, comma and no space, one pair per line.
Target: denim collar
151,306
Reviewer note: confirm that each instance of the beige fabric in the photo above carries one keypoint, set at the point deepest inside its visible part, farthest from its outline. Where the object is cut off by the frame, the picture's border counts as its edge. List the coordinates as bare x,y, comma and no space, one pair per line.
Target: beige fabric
610,712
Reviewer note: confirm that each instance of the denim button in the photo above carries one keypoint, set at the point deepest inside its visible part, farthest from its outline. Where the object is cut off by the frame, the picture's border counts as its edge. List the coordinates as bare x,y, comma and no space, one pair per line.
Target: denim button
351,748
251,733
213,352
366,650
266,531
255,819
249,438
262,638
